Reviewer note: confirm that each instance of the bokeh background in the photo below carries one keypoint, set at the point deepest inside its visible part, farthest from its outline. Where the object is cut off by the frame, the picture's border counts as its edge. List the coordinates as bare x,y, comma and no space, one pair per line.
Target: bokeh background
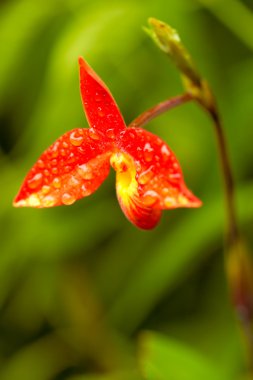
83,293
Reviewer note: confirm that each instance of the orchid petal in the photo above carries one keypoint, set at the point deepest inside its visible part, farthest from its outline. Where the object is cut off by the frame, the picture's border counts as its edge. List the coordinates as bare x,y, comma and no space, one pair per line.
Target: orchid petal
149,178
71,168
99,105
135,210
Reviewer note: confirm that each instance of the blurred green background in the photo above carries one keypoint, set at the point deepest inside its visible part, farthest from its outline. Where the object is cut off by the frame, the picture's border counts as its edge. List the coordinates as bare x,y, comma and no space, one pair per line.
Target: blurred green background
83,293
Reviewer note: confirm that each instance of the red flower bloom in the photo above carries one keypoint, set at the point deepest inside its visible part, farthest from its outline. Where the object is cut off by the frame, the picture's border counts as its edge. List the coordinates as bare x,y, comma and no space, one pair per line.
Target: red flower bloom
149,178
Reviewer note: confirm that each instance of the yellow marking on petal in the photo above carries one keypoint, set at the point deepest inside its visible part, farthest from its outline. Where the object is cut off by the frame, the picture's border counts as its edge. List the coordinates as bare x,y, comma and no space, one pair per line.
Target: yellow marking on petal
126,183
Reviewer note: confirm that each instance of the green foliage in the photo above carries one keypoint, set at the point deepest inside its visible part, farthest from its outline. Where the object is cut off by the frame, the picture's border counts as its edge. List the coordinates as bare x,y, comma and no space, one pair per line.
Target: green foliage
162,358
79,284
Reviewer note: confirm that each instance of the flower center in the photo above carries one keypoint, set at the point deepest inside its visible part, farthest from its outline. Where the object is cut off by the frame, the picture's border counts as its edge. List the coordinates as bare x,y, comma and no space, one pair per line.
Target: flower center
124,166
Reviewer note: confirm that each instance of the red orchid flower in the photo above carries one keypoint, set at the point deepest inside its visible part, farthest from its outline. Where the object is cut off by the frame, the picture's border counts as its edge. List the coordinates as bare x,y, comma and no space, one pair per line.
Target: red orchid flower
148,179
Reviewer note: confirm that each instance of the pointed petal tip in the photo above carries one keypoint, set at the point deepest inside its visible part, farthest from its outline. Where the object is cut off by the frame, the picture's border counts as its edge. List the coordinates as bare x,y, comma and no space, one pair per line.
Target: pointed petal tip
18,203
191,202
81,61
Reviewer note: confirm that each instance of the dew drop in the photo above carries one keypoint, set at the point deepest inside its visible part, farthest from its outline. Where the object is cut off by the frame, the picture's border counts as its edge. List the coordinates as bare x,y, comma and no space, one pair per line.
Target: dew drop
93,134
45,189
174,176
85,171
97,97
132,135
48,201
139,151
85,190
150,197
148,152
110,133
165,152
170,201
165,191
67,168
145,176
56,182
182,200
33,201
46,173
76,137
54,162
65,144
41,164
73,181
68,199
63,152
54,152
35,181
100,112
54,170
175,165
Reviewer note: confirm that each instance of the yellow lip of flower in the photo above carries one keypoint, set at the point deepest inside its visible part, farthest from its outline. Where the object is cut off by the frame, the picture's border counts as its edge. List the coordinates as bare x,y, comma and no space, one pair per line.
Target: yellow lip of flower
124,166
129,199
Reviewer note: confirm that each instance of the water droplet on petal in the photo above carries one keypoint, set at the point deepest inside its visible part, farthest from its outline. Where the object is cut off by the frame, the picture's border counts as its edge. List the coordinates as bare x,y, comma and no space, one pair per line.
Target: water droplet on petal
97,97
55,170
73,181
182,200
169,201
35,181
110,133
54,151
165,152
150,197
67,168
33,201
85,190
48,201
76,137
174,176
68,199
56,182
54,162
45,189
46,173
85,171
65,144
165,191
41,164
93,134
148,152
63,152
175,166
146,176
100,112
139,151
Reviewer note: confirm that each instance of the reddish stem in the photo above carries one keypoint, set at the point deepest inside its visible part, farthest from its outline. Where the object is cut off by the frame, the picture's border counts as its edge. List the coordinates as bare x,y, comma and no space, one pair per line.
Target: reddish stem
160,108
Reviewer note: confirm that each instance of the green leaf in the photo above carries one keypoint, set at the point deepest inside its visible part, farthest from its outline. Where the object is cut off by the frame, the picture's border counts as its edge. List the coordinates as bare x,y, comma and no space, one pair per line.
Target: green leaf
164,359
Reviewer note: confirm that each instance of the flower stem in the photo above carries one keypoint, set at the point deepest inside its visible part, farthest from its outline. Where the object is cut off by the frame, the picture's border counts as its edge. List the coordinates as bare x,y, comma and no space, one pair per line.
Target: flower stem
160,108
233,234
237,261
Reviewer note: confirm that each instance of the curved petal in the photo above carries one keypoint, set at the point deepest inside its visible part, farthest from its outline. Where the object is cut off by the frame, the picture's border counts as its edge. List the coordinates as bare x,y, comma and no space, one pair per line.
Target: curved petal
156,178
100,108
138,213
70,169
